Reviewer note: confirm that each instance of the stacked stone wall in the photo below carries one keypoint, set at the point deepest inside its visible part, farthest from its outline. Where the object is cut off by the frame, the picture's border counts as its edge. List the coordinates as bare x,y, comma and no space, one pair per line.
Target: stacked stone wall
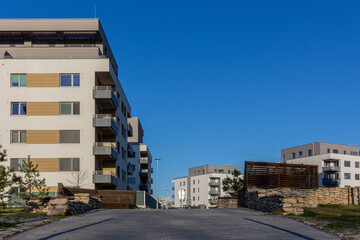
227,202
290,200
80,203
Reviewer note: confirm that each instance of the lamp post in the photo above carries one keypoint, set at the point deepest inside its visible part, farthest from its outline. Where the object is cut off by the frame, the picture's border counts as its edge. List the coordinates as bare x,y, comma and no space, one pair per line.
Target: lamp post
157,182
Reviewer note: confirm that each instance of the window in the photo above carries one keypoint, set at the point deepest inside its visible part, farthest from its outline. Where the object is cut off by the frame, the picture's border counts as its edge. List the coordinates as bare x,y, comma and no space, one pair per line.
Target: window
198,181
221,170
118,172
16,163
193,190
335,151
18,108
183,183
357,177
347,164
328,150
309,152
300,153
123,131
68,80
229,171
344,152
347,176
193,181
69,108
198,198
69,164
194,173
215,170
123,175
123,108
283,157
131,180
293,155
180,184
123,153
203,171
198,189
69,136
193,198
356,164
354,153
18,80
18,136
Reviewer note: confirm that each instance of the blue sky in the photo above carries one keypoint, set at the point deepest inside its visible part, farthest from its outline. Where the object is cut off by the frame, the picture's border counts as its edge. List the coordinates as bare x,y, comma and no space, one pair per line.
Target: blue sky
222,82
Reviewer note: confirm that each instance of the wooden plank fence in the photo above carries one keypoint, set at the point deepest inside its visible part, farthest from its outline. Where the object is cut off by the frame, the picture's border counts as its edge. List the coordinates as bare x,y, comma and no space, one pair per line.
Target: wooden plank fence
273,175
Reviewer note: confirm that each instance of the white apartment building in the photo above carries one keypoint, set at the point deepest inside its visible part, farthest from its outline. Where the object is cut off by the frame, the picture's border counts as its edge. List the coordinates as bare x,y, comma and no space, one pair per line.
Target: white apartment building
338,164
203,186
62,102
140,160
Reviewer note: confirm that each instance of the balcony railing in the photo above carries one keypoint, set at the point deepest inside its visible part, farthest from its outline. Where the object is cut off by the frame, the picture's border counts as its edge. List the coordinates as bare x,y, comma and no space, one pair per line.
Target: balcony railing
106,96
144,160
106,123
214,183
104,177
213,201
331,169
106,150
331,182
214,192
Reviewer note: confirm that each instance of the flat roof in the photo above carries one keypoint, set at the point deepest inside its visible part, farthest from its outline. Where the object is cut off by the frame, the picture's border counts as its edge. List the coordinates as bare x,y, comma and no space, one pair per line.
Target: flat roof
321,143
43,24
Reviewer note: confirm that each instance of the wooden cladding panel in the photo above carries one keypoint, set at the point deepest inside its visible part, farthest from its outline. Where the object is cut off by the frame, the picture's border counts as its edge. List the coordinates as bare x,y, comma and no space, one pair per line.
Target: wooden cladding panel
43,80
272,175
50,189
42,136
43,108
46,164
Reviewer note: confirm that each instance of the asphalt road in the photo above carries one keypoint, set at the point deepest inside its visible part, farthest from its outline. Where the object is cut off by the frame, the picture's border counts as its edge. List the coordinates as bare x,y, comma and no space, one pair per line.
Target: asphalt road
175,224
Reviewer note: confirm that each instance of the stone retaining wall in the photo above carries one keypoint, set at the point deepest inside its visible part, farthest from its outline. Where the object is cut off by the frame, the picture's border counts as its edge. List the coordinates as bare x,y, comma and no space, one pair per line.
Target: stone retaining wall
290,200
81,202
227,202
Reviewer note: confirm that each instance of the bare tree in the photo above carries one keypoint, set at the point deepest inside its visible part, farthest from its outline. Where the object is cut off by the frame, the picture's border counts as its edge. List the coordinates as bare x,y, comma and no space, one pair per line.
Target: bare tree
78,178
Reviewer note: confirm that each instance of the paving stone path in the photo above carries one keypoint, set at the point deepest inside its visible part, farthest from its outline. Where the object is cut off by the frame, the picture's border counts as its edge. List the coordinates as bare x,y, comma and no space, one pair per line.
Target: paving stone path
175,224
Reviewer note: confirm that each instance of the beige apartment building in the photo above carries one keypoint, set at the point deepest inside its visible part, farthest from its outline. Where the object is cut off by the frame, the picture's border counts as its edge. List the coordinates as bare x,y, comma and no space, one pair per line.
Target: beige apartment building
338,164
62,102
203,186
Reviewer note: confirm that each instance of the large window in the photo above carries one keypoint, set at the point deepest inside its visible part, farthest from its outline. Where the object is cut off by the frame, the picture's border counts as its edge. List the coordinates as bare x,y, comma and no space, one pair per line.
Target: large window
18,80
300,153
347,164
18,136
16,163
18,108
347,175
309,152
69,108
357,177
69,136
293,155
69,80
356,164
69,164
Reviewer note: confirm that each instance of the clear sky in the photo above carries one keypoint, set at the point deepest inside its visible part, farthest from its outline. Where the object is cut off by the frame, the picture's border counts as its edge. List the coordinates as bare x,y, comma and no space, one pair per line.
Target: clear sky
222,82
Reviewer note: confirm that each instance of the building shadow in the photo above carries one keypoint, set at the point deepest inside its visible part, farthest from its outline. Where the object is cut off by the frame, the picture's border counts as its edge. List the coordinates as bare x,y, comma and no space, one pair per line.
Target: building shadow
281,229
75,229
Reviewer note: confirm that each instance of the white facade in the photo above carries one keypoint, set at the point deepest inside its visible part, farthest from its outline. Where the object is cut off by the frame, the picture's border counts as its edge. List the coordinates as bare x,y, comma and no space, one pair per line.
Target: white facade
94,71
341,170
203,189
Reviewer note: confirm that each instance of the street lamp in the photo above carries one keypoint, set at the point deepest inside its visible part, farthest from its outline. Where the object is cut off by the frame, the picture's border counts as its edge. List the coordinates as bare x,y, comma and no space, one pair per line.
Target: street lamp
157,182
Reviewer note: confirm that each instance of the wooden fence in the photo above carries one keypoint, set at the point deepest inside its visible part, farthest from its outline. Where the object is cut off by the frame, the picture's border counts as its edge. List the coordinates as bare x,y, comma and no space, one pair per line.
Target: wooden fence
273,175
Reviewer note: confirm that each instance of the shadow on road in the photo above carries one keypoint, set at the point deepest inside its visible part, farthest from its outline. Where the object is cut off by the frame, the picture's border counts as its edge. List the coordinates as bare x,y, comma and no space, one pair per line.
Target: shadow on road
281,229
75,229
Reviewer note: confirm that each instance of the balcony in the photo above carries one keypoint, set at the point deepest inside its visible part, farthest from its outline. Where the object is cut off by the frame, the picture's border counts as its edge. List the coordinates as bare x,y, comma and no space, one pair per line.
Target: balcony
331,169
144,173
143,187
130,169
105,123
144,160
105,97
213,201
104,177
214,192
331,182
105,150
214,183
